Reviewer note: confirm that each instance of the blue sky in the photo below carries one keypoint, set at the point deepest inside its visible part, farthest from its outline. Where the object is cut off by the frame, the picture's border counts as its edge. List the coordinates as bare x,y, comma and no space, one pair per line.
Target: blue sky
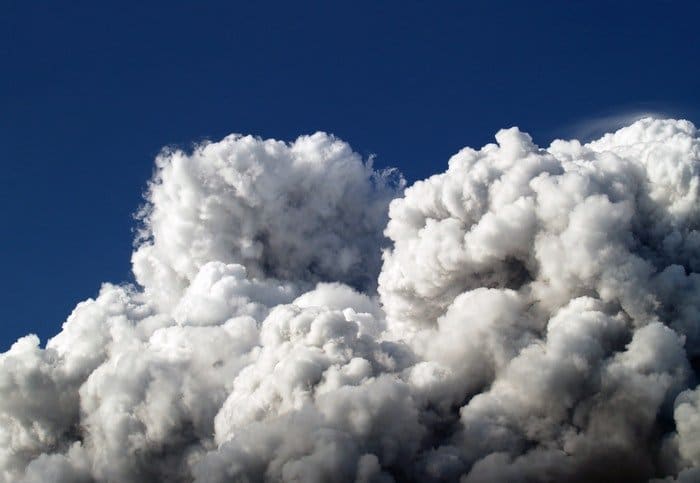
90,91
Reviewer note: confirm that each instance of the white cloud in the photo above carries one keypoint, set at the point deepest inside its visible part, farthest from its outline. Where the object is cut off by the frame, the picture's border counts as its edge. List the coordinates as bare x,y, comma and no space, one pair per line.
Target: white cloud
533,319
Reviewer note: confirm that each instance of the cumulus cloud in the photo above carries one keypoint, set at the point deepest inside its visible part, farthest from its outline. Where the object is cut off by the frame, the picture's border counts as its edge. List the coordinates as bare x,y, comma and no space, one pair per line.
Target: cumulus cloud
531,314
303,212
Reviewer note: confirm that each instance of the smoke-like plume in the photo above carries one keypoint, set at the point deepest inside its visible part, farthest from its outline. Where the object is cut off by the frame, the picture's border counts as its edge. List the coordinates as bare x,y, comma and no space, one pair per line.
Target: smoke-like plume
529,315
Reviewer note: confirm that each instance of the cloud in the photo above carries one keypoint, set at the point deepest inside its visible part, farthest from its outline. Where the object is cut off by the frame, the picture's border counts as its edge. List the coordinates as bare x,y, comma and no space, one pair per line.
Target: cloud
304,212
531,314
592,128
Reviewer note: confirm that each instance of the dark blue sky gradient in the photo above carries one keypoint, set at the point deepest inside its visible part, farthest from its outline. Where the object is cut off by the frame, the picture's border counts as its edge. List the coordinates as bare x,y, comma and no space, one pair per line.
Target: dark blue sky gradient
90,91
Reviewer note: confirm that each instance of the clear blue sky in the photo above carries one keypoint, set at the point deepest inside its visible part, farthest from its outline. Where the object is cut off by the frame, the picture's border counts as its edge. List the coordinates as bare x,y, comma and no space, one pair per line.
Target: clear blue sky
90,91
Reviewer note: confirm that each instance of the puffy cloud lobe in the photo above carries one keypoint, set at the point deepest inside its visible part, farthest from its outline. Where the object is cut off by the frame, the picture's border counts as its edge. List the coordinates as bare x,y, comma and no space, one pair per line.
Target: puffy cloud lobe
304,212
219,290
305,353
687,417
536,319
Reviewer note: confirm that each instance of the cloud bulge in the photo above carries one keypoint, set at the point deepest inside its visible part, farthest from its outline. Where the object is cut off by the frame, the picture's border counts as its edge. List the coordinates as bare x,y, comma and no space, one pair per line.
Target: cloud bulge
530,314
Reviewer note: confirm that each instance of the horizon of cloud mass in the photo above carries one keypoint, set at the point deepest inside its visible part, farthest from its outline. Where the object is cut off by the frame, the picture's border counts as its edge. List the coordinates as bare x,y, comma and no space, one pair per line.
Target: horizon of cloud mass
529,315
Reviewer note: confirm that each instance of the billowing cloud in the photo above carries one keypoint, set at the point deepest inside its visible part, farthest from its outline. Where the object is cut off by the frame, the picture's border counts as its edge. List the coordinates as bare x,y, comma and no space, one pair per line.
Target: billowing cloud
529,315
304,212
